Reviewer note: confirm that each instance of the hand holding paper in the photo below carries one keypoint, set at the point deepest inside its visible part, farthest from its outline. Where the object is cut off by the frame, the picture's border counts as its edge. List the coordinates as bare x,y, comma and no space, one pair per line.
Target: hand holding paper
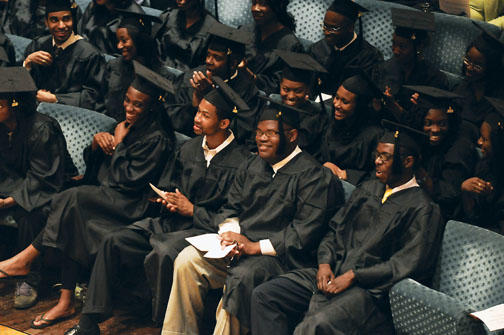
211,243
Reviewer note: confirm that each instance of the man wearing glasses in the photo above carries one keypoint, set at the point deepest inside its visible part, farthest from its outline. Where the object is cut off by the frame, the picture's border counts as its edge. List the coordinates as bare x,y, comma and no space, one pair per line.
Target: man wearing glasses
342,52
388,230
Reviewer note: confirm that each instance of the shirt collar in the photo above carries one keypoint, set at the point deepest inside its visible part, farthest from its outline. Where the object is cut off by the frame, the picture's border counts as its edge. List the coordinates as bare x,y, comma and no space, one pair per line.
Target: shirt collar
215,151
283,162
71,40
346,45
409,184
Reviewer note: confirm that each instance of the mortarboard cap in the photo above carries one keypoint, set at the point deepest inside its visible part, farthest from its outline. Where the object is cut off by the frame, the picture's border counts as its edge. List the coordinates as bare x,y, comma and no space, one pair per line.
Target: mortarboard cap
132,17
299,67
16,79
433,97
149,82
407,138
227,39
280,112
347,8
487,42
60,5
412,24
227,101
362,85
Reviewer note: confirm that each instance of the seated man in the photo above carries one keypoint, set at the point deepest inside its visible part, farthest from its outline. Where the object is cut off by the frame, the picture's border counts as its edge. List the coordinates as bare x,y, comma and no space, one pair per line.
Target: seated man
198,181
225,52
65,67
276,214
388,230
342,52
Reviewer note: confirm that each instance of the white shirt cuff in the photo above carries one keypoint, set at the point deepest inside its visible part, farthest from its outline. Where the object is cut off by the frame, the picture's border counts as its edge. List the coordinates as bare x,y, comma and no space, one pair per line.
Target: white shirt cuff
267,248
230,224
26,66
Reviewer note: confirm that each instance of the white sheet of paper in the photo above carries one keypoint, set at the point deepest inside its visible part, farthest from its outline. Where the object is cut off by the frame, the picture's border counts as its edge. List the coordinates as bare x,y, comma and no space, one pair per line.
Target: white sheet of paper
158,191
220,253
324,96
205,242
492,317
210,243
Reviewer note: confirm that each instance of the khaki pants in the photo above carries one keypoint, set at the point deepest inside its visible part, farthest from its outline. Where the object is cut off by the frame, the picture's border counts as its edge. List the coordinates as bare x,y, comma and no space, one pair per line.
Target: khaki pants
193,277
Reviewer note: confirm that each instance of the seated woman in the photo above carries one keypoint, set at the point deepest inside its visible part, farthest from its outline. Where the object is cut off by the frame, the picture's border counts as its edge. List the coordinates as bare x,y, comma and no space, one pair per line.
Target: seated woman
483,77
273,28
97,23
407,65
350,139
182,37
447,157
134,43
34,165
482,195
115,191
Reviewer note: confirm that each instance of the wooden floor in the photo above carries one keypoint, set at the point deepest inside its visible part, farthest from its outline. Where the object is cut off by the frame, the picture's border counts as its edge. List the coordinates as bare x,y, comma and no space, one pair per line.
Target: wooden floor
119,324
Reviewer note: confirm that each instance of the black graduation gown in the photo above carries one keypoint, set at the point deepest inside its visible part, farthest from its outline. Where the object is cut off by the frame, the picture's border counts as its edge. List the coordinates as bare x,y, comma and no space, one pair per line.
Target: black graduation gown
7,46
116,193
243,126
350,147
381,243
448,166
263,62
35,163
290,209
474,111
312,122
344,64
180,48
75,76
389,73
95,26
488,211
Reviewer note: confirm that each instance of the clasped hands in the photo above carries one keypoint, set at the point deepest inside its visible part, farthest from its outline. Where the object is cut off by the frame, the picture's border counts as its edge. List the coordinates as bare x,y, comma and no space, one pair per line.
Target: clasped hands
176,202
108,142
329,284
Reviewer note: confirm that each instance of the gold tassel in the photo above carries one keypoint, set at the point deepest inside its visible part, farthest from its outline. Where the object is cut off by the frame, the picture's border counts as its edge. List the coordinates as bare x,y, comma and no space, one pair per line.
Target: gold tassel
396,135
15,103
235,110
450,110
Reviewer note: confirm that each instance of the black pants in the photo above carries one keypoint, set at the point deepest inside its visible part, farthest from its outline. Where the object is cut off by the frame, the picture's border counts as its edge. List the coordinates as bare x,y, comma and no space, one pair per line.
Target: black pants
284,306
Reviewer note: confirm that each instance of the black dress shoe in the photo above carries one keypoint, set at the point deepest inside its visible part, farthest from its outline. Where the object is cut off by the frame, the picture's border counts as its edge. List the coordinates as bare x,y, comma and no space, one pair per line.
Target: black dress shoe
77,330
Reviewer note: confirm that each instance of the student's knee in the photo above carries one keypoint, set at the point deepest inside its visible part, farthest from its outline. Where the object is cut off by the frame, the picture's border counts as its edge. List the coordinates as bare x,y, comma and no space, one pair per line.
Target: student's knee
188,260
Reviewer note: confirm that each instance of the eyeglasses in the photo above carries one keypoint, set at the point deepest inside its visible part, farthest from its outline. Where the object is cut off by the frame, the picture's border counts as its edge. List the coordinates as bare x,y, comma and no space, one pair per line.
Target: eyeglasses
269,133
476,67
331,29
383,156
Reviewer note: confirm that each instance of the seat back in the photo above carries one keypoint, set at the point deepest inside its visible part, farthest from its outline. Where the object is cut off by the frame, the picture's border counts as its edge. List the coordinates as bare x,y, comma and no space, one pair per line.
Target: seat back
471,265
309,15
79,126
232,12
20,43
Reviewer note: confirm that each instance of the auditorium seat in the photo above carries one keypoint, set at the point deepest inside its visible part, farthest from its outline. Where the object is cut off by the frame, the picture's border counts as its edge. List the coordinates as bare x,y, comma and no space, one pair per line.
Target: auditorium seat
20,43
468,278
79,126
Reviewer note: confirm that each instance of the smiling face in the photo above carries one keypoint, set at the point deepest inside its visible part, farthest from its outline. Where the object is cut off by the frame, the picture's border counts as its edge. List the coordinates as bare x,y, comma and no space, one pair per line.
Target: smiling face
436,125
135,103
206,120
337,29
293,93
60,25
484,141
344,103
125,44
262,12
268,140
384,159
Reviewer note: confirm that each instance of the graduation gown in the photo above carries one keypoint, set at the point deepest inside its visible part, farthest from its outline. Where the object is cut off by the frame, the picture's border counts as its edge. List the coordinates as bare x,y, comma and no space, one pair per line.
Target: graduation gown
179,47
34,163
449,165
389,73
344,64
96,26
116,192
261,59
75,76
350,146
312,122
290,209
381,243
8,48
243,125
